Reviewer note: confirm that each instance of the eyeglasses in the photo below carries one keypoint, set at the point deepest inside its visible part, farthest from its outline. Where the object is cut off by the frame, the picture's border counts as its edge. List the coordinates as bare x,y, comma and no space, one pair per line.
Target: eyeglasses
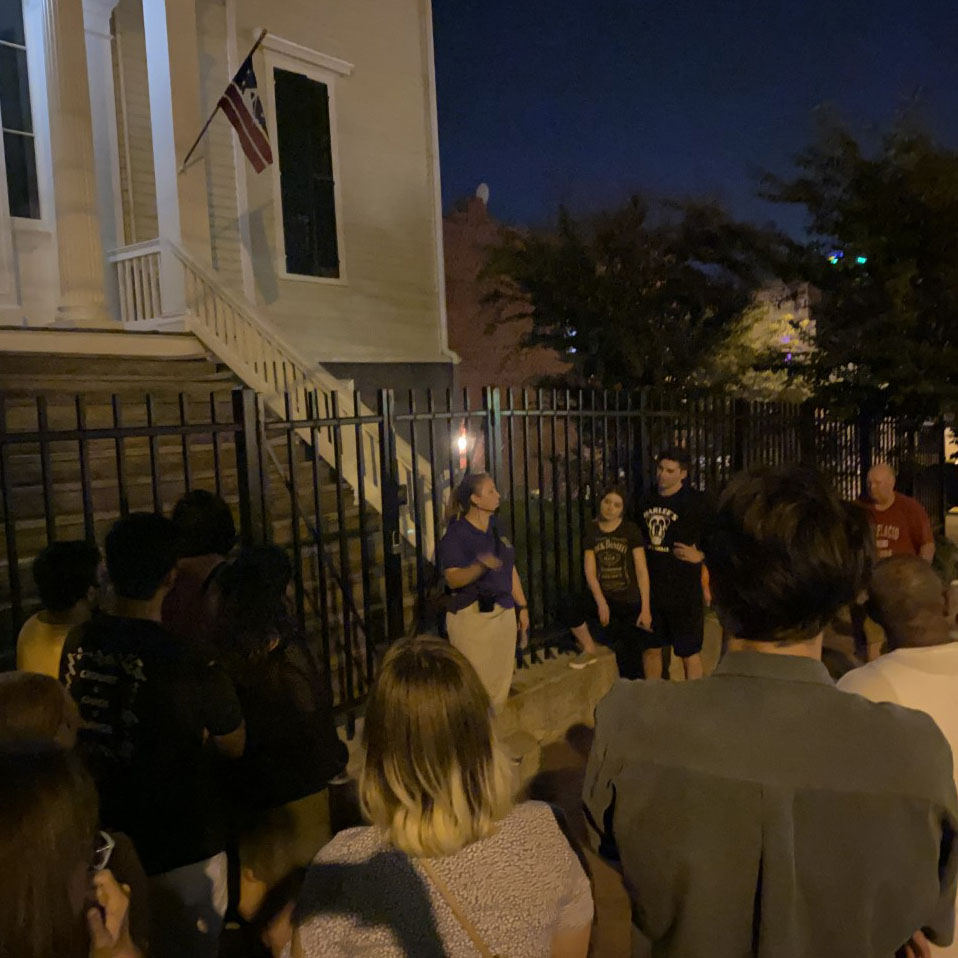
103,846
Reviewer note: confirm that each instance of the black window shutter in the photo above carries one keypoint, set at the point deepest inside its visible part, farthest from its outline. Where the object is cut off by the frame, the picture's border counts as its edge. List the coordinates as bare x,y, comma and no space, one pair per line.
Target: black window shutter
306,175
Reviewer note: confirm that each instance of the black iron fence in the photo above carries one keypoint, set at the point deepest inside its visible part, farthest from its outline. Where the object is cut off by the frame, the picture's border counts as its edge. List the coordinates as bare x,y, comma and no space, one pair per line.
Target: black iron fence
363,552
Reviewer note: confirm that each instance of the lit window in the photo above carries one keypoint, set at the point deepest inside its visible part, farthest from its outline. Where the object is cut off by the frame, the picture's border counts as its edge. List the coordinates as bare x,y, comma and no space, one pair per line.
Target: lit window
306,175
19,150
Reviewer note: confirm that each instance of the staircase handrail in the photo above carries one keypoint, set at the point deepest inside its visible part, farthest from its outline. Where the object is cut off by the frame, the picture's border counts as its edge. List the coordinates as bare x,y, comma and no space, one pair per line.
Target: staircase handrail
307,377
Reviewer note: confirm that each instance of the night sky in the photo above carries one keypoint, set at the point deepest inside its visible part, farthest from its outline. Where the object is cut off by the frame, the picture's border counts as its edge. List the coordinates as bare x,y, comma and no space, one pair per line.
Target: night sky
584,101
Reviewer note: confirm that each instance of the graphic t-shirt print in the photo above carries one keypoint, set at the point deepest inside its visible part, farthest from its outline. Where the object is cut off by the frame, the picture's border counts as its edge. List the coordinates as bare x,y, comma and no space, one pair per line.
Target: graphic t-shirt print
658,519
612,555
105,686
886,535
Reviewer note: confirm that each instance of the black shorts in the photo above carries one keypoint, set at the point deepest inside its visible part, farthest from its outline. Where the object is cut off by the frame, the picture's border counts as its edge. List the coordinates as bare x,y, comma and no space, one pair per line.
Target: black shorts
622,613
622,635
681,626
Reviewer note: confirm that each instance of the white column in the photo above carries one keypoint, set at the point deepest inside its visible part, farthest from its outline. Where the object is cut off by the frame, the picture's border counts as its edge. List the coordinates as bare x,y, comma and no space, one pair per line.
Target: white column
172,60
79,250
9,300
106,148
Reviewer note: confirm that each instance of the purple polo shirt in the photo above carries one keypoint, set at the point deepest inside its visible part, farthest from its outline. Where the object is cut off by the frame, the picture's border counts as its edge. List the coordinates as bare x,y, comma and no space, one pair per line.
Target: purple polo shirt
462,544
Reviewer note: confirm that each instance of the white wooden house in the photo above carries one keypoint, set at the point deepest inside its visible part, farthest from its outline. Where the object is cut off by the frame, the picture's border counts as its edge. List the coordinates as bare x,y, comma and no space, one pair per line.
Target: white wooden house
332,256
320,274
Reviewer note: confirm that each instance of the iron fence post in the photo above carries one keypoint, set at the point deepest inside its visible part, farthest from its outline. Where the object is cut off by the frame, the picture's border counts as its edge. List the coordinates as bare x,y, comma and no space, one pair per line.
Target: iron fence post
806,434
645,451
941,428
864,449
249,473
392,541
491,406
739,434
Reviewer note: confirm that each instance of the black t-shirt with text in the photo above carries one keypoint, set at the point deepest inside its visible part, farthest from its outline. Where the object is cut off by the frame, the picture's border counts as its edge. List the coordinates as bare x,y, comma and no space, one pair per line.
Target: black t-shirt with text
614,562
667,520
147,700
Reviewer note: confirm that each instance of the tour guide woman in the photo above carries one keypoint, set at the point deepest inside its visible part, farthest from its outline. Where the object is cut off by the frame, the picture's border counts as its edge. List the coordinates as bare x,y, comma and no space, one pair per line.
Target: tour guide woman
480,571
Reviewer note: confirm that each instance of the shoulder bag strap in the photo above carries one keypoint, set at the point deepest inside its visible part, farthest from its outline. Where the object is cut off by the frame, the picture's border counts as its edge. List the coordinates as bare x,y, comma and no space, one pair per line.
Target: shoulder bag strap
450,900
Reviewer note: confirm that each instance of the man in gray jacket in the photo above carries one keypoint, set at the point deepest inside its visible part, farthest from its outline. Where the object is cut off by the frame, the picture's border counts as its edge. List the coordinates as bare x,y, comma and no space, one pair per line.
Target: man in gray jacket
761,811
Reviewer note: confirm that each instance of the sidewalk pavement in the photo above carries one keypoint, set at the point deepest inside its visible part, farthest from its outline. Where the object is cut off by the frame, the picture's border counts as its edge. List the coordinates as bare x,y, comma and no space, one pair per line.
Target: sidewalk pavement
559,781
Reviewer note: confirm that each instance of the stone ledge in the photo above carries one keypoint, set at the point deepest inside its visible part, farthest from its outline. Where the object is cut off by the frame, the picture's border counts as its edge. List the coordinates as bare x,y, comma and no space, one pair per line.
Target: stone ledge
546,701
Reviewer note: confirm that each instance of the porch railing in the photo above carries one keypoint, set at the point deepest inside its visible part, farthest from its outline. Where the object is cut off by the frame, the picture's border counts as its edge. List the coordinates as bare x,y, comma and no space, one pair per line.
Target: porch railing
138,283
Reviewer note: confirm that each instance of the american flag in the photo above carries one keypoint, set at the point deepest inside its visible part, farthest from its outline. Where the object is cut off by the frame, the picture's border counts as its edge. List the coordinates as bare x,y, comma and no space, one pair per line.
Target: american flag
243,109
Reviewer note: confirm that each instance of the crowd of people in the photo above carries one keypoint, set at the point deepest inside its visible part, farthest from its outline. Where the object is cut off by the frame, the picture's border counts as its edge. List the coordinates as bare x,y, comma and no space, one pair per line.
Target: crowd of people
167,745
182,690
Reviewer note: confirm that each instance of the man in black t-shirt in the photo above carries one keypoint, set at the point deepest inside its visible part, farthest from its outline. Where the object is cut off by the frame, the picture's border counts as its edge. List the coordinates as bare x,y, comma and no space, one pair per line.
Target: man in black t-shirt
149,703
673,519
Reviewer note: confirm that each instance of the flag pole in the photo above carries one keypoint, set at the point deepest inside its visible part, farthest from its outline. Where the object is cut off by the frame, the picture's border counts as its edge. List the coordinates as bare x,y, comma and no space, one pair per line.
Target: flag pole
206,125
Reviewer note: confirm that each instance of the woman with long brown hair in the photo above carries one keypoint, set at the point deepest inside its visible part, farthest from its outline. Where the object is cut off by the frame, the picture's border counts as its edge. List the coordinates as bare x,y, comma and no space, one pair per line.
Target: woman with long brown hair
449,865
486,604
55,897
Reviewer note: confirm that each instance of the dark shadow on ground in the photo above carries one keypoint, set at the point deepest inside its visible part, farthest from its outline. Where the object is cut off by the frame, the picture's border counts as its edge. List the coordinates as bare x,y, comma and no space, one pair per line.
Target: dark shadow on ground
559,782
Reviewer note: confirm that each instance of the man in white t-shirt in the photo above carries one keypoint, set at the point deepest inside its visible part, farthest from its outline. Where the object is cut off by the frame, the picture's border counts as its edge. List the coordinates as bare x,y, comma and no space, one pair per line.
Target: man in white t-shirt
921,672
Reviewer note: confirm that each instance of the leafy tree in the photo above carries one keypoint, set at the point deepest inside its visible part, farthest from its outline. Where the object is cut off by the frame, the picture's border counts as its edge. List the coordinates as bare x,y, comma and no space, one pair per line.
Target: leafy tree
886,326
753,362
637,296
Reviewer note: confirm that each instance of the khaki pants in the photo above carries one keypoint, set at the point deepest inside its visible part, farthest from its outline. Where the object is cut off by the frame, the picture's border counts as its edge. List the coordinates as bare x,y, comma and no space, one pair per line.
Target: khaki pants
488,641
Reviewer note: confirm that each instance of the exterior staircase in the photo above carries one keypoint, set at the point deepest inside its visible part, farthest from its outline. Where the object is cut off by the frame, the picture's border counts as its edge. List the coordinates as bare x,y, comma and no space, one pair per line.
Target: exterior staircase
69,489
150,275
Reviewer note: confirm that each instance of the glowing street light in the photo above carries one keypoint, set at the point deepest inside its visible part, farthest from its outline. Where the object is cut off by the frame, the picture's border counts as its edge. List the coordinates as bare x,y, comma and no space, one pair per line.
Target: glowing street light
462,443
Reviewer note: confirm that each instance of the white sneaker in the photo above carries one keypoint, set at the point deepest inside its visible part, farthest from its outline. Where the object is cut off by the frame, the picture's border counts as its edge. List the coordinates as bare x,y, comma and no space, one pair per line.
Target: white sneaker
582,660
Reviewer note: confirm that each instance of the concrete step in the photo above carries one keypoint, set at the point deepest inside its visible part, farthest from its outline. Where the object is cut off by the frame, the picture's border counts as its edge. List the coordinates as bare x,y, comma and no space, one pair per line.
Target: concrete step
92,368
22,414
125,386
25,487
24,465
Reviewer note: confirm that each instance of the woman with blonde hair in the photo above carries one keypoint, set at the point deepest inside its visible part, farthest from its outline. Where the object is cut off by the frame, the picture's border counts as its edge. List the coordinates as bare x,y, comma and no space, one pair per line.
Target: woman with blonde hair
486,605
449,866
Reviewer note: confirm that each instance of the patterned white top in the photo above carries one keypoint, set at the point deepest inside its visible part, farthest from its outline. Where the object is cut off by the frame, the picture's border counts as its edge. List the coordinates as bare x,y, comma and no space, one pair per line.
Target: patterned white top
518,887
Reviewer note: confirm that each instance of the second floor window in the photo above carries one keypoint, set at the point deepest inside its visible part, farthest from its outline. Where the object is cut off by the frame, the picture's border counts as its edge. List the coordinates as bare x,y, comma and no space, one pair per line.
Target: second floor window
306,175
19,150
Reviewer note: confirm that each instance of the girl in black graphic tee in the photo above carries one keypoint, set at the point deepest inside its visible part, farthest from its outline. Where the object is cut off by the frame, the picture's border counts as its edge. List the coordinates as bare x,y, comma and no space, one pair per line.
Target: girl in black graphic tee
618,582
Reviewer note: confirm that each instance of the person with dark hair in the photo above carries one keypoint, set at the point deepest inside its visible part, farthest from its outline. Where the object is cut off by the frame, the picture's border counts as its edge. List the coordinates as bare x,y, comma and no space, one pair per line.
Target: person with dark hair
852,637
50,907
65,574
149,702
292,748
761,811
486,603
37,710
908,600
673,520
205,534
618,581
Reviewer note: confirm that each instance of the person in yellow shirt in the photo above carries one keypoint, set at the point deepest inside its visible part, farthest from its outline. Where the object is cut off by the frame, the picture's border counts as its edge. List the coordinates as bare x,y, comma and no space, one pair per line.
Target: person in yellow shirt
66,576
